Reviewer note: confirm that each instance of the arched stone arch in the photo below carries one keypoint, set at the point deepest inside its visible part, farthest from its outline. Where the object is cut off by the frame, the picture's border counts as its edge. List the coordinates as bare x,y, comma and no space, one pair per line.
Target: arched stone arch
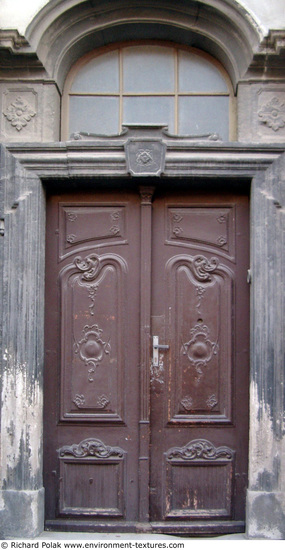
64,31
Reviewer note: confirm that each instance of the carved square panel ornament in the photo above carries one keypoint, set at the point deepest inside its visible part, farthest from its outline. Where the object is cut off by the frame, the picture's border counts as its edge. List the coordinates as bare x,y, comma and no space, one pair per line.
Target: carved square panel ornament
145,157
271,113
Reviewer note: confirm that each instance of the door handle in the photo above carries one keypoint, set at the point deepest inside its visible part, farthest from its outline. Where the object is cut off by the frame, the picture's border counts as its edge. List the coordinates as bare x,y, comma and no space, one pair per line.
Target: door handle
155,350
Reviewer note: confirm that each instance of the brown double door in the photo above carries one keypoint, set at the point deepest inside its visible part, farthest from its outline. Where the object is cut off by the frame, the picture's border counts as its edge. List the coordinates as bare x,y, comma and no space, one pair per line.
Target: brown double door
134,433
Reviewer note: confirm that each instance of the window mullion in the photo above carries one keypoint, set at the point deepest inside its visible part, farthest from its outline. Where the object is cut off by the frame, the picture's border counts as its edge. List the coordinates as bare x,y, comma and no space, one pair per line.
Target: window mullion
121,88
176,111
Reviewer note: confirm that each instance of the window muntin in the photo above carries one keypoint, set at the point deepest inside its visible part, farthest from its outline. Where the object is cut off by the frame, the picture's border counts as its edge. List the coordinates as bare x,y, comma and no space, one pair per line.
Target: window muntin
183,89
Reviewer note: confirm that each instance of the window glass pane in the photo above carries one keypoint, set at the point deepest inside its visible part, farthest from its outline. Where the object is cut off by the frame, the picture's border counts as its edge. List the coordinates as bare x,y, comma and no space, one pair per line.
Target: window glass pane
197,74
99,75
98,115
148,69
203,115
149,110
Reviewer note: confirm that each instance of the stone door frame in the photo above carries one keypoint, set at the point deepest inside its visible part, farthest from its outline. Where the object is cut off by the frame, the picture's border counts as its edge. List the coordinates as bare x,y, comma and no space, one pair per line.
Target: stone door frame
27,169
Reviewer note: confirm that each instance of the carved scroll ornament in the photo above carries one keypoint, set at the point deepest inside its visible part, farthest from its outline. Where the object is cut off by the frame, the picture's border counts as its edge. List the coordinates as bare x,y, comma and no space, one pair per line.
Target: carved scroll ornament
202,267
200,449
90,267
91,448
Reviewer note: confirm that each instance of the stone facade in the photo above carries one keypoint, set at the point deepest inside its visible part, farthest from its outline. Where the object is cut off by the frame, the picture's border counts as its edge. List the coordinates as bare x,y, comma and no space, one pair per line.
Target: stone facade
34,65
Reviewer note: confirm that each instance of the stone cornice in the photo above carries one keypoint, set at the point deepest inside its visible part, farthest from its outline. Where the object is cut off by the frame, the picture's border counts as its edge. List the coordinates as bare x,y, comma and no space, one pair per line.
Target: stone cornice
269,57
273,43
107,158
16,53
13,41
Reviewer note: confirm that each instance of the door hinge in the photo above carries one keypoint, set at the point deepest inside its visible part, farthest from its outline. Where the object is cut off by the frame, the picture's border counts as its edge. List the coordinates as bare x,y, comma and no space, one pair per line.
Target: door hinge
249,277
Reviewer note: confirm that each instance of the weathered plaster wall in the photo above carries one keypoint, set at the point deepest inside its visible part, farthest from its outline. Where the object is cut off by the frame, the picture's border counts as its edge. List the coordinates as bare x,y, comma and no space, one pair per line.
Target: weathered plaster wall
22,208
266,495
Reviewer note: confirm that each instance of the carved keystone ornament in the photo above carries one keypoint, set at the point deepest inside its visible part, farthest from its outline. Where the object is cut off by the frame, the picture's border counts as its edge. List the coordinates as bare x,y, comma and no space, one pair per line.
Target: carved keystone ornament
145,157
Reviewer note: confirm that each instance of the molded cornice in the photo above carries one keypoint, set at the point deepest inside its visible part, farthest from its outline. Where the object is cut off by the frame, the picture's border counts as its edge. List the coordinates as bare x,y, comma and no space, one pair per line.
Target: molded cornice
103,156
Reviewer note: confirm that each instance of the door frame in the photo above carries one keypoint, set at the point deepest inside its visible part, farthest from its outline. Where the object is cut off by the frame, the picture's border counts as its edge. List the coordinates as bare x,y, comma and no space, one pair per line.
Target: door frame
146,195
31,168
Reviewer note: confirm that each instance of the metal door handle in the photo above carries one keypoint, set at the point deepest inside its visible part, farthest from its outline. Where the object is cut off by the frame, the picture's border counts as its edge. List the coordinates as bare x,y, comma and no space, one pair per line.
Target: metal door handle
155,350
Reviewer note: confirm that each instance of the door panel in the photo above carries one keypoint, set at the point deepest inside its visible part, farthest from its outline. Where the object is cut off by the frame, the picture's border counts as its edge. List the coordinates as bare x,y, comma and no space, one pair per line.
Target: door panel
200,308
92,353
103,251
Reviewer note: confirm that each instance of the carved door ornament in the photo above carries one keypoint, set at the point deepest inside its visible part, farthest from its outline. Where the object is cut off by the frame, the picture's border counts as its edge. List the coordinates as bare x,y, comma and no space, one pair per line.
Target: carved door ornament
91,448
91,348
199,349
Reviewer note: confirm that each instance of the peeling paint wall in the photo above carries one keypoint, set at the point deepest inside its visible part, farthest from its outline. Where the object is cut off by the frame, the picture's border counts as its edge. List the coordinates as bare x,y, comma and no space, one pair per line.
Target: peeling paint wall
22,289
266,494
22,434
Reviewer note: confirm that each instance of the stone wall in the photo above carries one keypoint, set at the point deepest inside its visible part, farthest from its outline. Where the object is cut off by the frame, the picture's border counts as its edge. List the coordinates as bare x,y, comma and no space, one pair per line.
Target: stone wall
35,59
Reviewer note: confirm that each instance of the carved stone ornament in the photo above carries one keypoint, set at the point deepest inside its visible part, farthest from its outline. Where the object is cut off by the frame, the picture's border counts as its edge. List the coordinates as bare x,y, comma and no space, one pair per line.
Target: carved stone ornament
199,349
145,157
91,448
273,114
91,348
19,113
200,449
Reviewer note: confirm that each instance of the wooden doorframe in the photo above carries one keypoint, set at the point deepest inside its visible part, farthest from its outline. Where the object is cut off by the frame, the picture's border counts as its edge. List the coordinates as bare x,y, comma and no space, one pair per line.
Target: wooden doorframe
146,194
33,167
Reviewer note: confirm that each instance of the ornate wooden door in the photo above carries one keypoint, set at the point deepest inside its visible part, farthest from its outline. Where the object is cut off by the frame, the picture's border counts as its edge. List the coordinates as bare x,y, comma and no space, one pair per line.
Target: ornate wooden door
92,348
199,397
112,272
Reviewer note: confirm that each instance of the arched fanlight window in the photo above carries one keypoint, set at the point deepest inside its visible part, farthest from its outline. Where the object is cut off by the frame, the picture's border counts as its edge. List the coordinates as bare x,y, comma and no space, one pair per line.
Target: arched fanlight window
148,83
